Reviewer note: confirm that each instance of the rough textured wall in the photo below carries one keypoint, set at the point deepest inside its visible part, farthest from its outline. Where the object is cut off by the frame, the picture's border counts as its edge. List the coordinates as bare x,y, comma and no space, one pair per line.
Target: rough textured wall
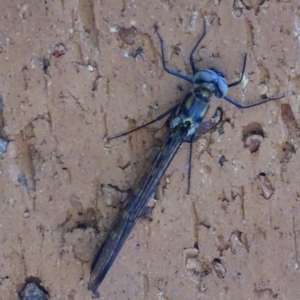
70,73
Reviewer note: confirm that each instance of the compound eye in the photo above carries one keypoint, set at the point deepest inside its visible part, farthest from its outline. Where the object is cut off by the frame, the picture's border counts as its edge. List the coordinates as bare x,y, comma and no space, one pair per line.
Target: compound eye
221,88
206,76
218,72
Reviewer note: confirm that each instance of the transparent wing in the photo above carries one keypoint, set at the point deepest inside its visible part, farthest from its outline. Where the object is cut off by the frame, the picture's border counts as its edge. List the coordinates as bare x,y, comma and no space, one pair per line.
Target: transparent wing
137,200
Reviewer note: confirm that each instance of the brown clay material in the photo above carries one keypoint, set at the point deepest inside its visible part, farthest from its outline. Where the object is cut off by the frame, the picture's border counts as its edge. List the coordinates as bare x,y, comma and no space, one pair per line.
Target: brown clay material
72,72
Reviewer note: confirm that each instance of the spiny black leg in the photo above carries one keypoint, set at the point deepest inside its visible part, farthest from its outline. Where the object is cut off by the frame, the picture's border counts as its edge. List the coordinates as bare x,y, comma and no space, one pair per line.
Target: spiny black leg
146,124
174,73
190,163
241,78
251,105
194,49
203,128
238,82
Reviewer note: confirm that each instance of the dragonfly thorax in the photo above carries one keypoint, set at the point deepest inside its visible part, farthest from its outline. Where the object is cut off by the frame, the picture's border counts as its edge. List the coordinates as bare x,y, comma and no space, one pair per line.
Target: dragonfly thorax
192,110
187,124
212,80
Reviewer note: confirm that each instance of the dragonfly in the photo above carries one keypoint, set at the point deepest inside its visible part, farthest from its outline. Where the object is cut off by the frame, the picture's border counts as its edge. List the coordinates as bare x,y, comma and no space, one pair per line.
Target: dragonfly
185,125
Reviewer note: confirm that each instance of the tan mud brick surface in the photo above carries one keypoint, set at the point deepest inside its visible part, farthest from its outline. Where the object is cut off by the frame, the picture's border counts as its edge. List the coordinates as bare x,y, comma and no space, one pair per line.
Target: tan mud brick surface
69,76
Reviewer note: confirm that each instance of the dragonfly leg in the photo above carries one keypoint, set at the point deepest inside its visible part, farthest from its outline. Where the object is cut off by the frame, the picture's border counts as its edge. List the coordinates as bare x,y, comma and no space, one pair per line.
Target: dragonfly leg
194,49
251,105
203,128
242,75
172,72
146,124
190,163
235,103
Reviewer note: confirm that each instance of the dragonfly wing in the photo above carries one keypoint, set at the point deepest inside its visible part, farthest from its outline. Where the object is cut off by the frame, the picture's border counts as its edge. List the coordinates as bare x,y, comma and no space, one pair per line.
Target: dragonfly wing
135,203
110,249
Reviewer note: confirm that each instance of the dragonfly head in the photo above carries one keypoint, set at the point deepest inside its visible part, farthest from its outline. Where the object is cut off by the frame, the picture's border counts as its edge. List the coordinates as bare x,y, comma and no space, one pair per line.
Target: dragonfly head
212,80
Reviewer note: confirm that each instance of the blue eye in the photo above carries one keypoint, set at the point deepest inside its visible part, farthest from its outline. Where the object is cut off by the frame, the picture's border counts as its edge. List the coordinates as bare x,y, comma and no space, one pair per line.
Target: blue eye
207,76
217,72
221,88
